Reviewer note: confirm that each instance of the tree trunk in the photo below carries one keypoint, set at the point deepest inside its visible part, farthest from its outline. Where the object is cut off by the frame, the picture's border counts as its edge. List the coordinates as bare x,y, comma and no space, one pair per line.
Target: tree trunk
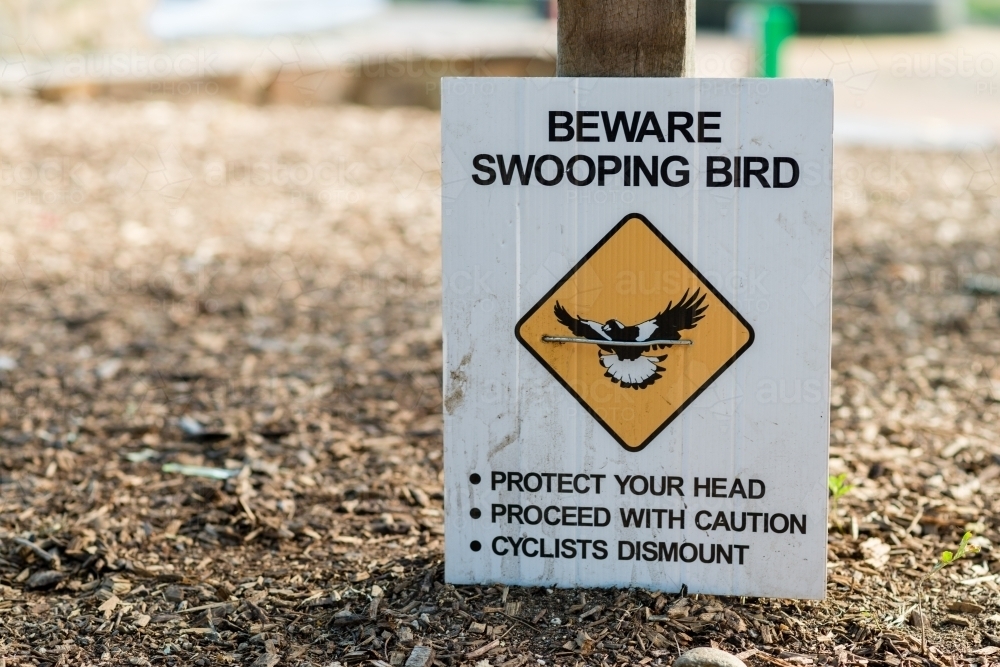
626,38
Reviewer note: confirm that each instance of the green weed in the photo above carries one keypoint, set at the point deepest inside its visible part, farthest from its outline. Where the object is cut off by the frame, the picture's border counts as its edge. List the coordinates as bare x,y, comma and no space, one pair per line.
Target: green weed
838,486
944,560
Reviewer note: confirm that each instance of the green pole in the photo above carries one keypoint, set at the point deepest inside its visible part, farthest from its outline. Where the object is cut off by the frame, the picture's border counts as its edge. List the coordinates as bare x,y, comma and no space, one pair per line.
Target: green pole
779,25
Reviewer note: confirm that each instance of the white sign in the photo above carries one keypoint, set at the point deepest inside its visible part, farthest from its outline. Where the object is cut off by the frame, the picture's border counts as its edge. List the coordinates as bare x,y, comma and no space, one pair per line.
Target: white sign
637,333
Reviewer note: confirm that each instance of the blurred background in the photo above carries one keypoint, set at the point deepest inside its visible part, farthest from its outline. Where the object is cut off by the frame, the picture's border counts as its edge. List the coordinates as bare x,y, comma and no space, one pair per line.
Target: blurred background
920,72
220,356
911,71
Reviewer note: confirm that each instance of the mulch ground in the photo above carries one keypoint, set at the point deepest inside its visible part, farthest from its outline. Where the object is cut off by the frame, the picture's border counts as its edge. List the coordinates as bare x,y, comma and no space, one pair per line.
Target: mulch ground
253,293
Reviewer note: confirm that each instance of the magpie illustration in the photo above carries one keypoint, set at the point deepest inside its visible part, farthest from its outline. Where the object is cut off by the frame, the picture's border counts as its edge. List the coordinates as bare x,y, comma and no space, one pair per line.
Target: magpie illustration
629,365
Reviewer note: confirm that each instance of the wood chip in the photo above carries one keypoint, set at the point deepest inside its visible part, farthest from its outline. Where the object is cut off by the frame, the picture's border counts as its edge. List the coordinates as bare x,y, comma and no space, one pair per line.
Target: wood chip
35,549
420,656
266,660
482,650
109,605
44,579
965,607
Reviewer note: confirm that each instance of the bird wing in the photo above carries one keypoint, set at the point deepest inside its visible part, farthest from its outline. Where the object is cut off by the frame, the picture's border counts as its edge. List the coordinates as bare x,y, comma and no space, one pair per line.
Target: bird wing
674,319
647,330
586,328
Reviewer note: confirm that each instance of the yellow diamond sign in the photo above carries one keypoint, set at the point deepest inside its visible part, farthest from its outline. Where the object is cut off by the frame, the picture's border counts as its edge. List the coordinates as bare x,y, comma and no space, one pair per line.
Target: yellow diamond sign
634,332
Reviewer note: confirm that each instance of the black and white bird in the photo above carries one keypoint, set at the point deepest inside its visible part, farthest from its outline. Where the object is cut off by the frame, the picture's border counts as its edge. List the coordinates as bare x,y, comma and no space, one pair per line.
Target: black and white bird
627,364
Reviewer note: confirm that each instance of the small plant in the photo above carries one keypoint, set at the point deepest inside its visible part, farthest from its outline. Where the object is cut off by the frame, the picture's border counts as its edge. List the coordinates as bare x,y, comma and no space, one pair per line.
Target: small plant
838,487
944,560
947,557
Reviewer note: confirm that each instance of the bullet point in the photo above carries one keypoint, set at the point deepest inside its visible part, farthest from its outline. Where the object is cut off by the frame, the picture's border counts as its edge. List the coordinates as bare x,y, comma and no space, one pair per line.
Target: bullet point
475,546
475,478
475,513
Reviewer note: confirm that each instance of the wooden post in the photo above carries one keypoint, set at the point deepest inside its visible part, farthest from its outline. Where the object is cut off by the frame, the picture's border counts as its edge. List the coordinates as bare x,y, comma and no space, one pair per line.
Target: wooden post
626,38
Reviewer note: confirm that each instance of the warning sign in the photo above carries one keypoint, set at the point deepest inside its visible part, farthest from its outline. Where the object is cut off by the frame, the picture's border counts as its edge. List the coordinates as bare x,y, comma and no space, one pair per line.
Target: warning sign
634,314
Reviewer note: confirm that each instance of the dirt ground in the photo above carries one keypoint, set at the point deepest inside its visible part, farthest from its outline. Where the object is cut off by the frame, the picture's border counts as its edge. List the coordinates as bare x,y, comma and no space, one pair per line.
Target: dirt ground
256,291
